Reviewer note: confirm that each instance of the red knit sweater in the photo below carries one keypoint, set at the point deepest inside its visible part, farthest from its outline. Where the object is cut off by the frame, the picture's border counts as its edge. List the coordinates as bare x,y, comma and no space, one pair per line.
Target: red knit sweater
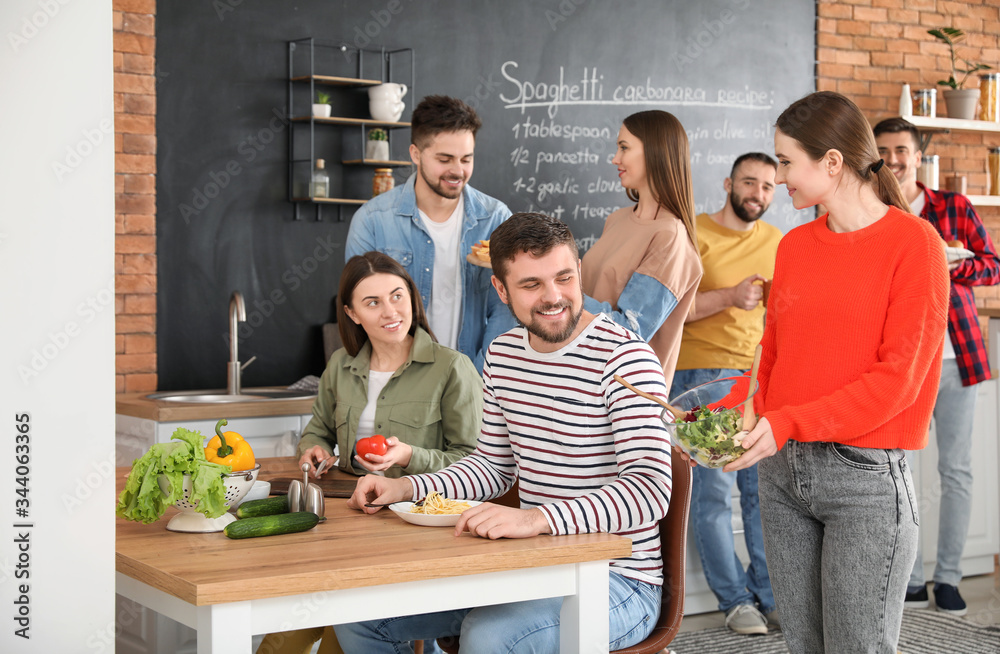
855,326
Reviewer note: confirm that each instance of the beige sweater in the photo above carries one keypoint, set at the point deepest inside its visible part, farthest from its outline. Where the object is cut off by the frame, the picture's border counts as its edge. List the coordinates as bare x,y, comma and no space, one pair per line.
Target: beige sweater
659,249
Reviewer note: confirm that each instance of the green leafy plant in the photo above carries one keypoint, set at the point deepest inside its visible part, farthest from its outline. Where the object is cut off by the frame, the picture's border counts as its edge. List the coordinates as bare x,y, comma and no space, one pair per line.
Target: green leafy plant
952,36
322,98
377,134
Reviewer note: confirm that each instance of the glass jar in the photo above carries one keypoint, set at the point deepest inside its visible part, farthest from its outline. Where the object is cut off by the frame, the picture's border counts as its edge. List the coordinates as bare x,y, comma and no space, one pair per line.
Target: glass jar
925,102
993,165
382,181
927,174
989,97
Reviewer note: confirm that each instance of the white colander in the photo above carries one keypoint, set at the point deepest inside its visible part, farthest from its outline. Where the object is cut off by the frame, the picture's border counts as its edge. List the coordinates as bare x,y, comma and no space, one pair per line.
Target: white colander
189,520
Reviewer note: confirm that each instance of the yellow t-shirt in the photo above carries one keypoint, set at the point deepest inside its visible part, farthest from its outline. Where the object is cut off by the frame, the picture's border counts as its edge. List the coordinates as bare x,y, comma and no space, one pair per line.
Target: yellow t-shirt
727,339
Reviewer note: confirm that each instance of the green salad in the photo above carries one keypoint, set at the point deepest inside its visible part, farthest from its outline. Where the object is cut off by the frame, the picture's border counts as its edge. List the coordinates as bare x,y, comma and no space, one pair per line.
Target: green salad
143,501
711,438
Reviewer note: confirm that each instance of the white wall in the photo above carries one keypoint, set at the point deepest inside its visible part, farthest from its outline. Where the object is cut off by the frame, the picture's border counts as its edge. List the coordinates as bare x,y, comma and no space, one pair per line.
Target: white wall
57,305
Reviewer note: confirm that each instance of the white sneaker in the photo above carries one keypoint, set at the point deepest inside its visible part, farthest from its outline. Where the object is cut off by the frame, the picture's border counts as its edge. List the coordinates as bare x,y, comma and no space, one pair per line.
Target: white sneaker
746,619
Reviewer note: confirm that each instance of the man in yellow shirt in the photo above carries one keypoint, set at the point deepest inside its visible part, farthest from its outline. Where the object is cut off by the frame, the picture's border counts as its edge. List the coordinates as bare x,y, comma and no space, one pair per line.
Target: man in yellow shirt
720,334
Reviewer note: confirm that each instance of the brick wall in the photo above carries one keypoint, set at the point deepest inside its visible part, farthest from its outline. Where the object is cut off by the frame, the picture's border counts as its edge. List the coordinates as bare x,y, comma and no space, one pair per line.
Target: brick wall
866,49
135,195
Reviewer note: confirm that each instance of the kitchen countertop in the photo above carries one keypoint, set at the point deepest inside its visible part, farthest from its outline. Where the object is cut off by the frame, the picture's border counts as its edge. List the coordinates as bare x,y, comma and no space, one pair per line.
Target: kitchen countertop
138,405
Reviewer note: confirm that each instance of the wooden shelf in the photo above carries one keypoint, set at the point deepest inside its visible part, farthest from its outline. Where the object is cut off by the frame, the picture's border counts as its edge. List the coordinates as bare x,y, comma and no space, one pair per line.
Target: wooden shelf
336,120
376,163
331,200
926,124
984,200
331,80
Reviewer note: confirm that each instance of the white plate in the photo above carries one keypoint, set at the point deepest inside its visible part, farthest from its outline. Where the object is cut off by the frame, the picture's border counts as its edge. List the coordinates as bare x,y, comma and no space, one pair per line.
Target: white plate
402,509
957,254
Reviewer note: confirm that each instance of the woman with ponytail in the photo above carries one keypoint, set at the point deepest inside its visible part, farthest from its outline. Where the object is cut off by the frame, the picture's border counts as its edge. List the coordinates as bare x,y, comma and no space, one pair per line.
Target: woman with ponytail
856,319
644,270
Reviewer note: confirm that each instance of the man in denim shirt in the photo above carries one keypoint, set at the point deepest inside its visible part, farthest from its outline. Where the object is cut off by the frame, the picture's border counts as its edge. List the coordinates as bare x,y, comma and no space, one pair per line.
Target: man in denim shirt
430,223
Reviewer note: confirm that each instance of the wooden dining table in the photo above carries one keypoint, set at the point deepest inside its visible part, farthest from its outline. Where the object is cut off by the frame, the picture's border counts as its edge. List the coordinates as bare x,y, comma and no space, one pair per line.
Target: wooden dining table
354,566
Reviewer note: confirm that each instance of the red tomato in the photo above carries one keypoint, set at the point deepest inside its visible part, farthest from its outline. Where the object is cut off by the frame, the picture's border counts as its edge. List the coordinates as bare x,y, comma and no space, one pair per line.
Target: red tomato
372,445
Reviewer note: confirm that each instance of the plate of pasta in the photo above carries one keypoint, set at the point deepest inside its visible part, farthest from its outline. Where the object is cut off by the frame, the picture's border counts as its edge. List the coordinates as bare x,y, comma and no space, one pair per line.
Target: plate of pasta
436,510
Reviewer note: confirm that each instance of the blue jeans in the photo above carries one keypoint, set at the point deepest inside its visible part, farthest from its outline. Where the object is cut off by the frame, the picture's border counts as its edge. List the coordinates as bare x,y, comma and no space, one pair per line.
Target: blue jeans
712,522
522,627
953,414
840,528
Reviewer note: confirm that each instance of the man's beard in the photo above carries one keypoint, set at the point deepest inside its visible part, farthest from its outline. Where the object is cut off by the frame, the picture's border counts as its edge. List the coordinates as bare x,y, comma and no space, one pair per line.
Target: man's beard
535,327
737,204
441,190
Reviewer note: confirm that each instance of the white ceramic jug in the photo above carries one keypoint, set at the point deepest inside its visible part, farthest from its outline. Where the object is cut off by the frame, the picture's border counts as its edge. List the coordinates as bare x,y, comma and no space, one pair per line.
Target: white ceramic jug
385,101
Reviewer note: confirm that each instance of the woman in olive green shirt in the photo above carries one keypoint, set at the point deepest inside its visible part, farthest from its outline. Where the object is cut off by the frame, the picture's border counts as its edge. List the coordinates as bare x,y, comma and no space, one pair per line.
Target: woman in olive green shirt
391,378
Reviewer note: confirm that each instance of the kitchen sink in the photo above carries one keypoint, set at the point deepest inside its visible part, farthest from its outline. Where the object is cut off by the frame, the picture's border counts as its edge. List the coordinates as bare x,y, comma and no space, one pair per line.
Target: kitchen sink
221,397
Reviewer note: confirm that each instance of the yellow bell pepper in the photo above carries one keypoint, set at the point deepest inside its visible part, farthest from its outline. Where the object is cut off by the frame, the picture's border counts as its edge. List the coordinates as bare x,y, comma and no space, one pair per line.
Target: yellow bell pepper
229,449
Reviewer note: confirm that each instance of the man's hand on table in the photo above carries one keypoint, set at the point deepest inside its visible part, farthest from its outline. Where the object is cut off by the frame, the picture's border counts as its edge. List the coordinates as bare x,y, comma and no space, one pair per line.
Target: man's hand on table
379,490
494,521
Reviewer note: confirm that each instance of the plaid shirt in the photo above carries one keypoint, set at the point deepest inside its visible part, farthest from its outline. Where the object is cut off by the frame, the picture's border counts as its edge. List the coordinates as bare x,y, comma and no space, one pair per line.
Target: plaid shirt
953,216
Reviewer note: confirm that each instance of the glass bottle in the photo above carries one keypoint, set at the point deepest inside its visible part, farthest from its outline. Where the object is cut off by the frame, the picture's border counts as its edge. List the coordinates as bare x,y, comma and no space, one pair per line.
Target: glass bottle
320,185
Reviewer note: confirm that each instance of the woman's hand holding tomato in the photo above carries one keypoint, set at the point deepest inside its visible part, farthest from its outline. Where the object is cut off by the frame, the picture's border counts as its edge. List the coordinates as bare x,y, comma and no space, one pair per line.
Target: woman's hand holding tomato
372,445
377,453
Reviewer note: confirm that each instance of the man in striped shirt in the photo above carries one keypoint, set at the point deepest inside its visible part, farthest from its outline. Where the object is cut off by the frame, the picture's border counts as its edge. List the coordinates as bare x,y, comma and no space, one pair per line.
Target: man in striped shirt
589,455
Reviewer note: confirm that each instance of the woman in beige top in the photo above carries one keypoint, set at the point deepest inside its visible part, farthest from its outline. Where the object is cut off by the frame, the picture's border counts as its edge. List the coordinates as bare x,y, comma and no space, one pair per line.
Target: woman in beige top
644,270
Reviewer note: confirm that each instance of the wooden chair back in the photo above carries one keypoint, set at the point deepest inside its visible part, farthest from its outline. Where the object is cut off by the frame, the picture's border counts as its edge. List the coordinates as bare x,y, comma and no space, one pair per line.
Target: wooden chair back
673,542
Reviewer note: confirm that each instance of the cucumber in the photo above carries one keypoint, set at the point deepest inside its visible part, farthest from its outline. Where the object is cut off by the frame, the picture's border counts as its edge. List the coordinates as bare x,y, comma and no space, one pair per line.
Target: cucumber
272,525
267,506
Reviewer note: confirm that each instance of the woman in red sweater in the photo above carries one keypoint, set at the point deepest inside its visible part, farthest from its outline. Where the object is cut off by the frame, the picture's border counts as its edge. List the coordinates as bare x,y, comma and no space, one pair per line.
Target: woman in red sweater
851,360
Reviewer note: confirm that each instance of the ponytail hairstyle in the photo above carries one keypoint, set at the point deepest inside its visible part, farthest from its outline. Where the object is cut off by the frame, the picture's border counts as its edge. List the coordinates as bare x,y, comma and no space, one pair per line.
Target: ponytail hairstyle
668,163
825,121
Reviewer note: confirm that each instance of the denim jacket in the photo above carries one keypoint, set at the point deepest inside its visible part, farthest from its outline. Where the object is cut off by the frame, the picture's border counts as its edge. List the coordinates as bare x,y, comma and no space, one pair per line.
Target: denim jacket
390,223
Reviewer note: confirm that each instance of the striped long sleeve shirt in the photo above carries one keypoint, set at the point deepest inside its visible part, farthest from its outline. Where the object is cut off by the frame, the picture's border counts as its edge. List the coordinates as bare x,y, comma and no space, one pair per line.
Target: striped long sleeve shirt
587,452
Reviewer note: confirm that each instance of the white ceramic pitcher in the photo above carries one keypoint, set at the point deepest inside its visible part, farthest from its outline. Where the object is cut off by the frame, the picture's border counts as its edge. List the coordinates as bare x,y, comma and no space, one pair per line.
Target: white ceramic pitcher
385,101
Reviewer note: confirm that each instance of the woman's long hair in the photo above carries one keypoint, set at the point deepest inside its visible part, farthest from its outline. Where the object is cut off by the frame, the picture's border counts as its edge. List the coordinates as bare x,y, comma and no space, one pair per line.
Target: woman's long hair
826,121
361,267
668,163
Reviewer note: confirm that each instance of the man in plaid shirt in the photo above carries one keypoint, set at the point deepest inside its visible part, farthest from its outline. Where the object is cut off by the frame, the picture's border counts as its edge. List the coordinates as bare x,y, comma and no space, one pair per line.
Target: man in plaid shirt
964,365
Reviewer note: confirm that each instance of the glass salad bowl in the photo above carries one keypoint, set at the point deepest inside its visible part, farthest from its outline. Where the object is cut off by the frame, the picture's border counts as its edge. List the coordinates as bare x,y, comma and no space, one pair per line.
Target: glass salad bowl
713,430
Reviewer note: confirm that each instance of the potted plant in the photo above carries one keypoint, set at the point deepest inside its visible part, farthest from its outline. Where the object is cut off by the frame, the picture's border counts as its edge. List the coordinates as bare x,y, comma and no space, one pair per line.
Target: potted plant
960,102
321,108
377,147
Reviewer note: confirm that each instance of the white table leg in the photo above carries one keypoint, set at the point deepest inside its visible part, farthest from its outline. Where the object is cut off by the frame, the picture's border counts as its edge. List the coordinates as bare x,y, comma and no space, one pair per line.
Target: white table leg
224,628
583,622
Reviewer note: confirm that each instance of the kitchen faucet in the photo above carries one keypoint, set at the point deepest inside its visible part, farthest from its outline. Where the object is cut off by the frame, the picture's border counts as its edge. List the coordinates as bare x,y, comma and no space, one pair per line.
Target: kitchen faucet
237,314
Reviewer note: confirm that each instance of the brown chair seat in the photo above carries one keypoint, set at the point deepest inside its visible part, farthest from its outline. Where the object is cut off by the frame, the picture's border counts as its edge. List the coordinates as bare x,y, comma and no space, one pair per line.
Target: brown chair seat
673,542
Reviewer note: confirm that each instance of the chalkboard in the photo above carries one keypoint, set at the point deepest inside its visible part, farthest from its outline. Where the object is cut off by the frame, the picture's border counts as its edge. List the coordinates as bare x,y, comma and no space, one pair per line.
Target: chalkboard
552,81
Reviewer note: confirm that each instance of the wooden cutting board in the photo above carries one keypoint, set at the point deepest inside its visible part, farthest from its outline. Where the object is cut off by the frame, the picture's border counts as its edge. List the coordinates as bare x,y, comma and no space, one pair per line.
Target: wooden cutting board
331,487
